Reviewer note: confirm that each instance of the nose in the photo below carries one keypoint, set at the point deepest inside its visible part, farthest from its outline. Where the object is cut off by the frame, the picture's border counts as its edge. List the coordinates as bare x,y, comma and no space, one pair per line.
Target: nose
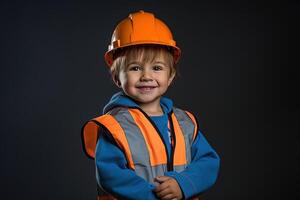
146,76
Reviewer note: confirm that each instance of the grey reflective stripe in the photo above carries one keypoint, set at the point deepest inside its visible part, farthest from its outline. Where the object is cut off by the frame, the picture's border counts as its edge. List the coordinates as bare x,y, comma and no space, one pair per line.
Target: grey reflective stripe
149,173
187,127
137,145
179,168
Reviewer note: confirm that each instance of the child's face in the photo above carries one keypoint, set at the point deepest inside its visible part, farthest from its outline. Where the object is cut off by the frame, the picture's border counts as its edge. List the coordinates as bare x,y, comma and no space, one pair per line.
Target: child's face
146,82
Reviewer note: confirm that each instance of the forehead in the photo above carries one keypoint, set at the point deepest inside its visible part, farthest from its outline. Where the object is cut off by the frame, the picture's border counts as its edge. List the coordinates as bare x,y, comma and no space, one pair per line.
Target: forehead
143,60
144,55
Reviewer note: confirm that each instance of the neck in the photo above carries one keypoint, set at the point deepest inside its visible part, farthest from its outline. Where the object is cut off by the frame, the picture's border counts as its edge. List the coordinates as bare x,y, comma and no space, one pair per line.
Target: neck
152,109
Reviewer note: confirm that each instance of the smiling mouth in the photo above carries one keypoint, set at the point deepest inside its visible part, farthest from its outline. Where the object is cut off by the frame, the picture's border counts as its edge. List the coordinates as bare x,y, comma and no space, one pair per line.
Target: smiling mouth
146,88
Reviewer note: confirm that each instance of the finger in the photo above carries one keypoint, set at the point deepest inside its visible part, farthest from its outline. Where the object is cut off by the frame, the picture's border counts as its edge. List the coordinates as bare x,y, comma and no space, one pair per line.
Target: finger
161,187
163,193
168,197
161,179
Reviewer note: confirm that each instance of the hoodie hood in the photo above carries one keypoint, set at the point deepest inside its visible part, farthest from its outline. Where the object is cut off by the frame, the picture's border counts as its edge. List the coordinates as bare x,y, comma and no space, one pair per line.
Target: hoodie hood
120,99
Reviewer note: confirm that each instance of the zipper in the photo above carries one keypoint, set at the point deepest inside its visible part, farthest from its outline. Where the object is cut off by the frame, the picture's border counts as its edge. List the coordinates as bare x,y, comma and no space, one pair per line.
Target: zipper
170,160
173,141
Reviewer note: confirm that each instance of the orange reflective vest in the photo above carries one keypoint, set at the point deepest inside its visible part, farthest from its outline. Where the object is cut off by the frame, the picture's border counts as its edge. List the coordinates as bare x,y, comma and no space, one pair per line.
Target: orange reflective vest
141,142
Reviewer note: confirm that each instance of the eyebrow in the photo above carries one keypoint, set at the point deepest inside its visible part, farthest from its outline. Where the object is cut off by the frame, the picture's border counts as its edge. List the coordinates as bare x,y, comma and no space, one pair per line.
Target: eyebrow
134,62
159,62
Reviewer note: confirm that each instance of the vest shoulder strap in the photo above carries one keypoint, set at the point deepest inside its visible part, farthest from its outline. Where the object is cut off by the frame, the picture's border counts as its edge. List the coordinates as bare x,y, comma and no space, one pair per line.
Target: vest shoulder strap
194,119
90,136
187,118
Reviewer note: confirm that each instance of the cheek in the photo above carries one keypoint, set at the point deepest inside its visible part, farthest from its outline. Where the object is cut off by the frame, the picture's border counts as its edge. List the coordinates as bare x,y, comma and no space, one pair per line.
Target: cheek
167,79
126,80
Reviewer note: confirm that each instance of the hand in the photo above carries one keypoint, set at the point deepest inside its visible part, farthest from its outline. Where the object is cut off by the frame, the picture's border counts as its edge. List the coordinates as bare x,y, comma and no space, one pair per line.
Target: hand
168,188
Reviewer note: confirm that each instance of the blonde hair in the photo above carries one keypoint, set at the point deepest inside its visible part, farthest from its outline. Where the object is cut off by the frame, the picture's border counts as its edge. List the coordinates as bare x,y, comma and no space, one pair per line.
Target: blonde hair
143,54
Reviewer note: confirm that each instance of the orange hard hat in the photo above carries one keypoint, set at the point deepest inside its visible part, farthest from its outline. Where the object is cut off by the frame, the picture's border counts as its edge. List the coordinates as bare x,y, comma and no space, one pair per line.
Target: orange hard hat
141,28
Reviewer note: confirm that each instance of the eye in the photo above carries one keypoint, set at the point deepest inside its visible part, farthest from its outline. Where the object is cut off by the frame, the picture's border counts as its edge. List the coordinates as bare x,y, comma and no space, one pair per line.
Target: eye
134,68
157,67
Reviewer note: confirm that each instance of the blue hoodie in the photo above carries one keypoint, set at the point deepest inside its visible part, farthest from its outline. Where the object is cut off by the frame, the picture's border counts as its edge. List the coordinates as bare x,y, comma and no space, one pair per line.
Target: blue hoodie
115,177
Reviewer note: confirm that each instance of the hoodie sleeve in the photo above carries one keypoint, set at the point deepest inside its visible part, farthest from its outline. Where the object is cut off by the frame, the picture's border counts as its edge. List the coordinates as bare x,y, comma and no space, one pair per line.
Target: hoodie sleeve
202,172
114,176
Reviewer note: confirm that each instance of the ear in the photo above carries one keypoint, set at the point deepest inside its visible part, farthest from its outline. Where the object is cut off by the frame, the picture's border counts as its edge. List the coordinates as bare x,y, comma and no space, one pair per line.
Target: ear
171,78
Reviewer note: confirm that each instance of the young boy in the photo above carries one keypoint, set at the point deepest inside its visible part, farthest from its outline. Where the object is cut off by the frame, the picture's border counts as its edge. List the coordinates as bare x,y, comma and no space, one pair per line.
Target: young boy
145,147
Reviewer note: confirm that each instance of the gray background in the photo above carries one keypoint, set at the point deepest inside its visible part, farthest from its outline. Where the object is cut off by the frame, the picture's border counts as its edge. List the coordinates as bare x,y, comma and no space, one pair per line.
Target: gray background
238,75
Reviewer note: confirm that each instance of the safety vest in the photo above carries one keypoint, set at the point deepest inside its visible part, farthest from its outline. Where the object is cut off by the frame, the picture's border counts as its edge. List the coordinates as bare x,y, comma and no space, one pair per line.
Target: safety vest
142,143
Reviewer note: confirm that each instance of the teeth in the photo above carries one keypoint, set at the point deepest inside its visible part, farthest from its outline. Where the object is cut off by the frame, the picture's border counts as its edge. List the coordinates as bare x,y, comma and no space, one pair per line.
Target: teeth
146,88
